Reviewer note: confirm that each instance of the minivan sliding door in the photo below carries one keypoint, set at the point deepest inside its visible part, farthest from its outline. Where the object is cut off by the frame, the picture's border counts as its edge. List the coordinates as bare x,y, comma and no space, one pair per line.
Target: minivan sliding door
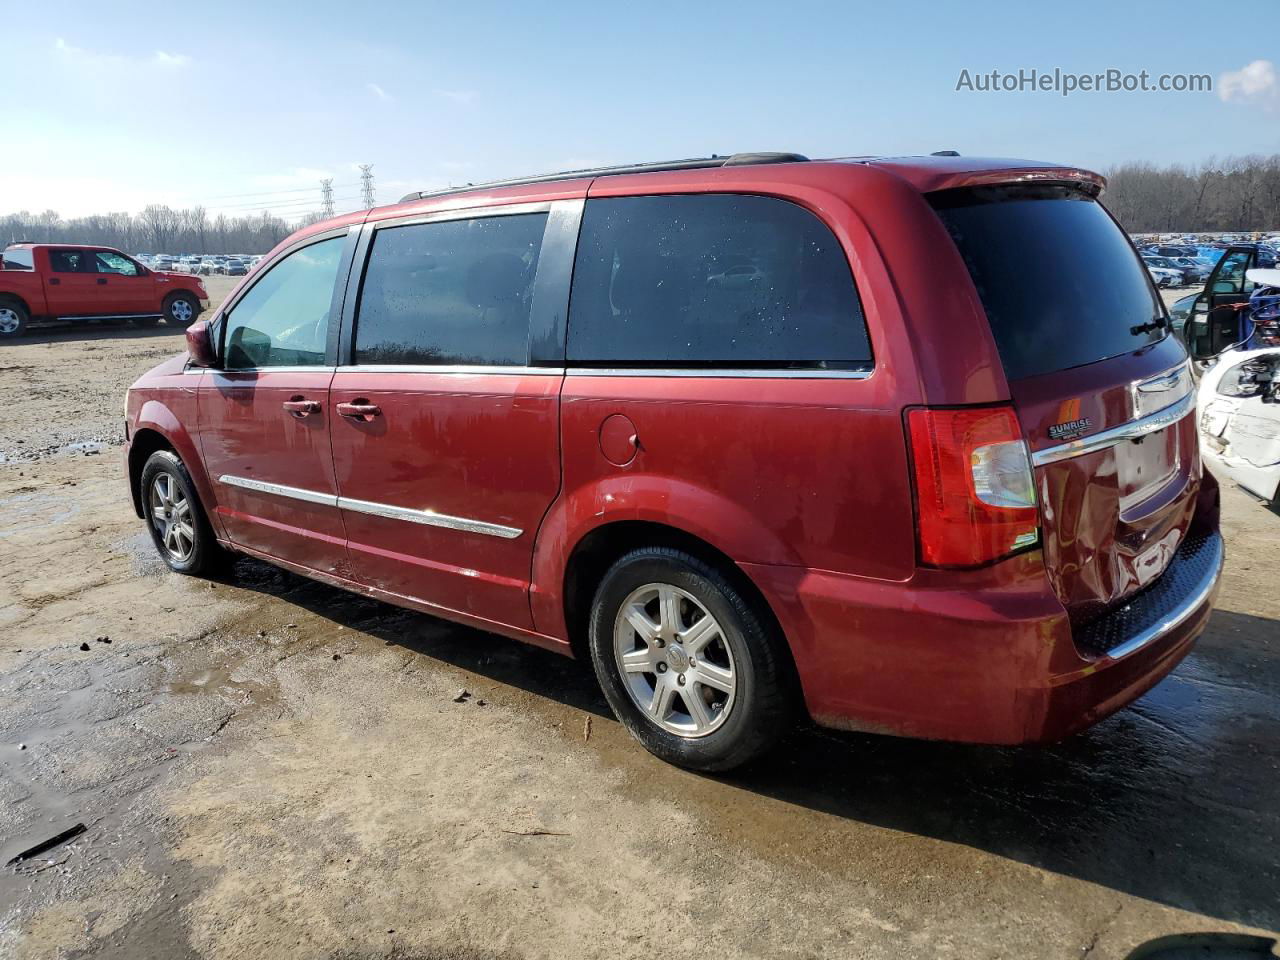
446,438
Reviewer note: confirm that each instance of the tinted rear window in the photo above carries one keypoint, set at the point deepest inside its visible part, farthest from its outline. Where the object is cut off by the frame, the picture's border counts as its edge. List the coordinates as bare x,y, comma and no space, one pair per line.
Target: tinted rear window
1060,282
712,280
452,292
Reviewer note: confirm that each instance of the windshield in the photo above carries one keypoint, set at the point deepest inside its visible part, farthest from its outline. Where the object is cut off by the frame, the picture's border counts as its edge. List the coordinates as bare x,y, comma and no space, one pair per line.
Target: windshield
1060,282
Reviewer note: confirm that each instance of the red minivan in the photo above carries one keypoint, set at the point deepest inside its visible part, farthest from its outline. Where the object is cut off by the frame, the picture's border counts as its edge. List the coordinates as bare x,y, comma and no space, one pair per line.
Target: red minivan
901,445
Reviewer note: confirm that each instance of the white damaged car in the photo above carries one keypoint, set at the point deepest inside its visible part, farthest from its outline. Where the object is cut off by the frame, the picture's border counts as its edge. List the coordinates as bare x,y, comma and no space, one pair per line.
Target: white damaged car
1239,400
1239,404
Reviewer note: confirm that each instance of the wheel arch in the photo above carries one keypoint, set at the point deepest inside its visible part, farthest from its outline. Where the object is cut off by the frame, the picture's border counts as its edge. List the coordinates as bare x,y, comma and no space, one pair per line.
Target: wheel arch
146,441
16,299
601,546
158,428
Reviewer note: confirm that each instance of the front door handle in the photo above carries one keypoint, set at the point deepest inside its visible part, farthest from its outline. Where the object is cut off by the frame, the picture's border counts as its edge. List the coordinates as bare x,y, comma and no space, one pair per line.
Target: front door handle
102,281
361,410
300,407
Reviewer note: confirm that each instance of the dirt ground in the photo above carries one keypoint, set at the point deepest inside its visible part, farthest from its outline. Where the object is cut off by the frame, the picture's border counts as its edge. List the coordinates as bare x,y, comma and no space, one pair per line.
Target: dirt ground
271,768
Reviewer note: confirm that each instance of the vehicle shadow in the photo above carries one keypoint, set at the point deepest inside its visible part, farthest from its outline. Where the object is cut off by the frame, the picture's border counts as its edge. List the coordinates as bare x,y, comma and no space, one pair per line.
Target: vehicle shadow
1172,800
56,333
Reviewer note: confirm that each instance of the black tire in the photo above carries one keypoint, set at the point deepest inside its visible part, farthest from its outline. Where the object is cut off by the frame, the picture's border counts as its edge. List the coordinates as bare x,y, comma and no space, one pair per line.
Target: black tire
205,556
173,305
763,703
13,319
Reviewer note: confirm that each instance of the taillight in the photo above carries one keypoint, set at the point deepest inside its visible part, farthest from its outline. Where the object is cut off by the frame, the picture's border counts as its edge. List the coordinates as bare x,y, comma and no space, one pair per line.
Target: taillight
975,494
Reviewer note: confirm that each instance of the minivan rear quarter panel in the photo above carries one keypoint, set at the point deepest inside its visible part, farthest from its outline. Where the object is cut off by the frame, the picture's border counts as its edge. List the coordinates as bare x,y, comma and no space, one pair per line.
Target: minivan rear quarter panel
792,476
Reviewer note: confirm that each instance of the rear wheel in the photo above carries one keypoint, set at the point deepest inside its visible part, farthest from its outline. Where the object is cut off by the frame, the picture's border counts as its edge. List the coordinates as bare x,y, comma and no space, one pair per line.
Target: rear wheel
13,319
180,310
686,662
179,528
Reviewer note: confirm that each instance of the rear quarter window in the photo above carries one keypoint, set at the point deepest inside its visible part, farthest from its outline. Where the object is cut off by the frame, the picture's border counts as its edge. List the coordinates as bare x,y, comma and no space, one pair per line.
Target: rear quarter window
17,260
712,281
1061,283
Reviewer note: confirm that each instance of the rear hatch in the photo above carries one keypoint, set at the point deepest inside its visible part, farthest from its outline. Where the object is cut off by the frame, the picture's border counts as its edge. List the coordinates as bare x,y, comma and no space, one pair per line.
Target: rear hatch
1102,390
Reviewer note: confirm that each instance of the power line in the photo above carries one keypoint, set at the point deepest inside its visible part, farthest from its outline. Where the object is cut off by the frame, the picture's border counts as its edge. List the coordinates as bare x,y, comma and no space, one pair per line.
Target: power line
271,205
271,193
366,185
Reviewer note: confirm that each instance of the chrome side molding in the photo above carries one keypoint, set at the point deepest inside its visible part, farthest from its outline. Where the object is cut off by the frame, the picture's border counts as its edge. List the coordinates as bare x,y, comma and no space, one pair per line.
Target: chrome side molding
429,518
279,490
719,372
426,517
1132,430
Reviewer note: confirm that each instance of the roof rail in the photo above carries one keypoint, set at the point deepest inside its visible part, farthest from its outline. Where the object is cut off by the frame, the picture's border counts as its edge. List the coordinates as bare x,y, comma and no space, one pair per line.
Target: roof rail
695,163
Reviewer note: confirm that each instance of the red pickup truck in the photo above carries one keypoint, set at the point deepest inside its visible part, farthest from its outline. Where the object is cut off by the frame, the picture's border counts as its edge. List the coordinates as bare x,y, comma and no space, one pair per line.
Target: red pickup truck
64,281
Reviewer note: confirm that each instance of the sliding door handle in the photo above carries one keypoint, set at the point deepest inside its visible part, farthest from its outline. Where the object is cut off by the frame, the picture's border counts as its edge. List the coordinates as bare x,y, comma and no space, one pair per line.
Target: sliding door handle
360,410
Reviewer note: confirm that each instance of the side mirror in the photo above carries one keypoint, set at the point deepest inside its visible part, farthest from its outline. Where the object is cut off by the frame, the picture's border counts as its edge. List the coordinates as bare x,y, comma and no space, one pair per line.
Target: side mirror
200,345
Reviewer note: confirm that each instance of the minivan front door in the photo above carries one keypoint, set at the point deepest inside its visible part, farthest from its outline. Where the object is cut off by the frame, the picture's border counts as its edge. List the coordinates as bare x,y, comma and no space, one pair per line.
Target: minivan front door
265,417
445,438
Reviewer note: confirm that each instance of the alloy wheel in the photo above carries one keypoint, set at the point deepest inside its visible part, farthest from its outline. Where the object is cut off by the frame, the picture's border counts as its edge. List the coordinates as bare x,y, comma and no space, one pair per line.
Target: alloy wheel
171,516
180,310
9,321
676,662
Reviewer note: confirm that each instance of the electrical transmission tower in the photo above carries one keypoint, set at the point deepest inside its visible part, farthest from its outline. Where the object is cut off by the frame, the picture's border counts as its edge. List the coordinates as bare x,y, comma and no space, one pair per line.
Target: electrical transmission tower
366,185
326,198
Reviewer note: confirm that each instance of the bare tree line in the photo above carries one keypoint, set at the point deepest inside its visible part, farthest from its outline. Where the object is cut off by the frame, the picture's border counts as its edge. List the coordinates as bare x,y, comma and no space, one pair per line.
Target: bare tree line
157,229
1229,195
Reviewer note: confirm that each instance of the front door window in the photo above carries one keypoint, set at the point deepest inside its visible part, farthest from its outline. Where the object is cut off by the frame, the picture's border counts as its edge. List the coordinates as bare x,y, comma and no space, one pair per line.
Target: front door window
283,321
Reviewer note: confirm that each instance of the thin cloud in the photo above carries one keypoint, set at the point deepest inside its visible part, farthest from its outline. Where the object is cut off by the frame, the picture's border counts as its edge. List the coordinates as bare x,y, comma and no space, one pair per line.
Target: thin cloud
92,58
1256,83
377,91
458,96
162,58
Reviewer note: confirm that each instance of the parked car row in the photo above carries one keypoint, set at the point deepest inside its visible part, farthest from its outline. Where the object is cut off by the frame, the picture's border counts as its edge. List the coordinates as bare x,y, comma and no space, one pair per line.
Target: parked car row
1187,261
219,264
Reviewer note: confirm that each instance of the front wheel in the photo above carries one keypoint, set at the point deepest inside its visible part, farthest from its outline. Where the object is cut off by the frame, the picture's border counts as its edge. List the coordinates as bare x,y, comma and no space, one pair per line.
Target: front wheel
13,320
687,662
181,309
179,528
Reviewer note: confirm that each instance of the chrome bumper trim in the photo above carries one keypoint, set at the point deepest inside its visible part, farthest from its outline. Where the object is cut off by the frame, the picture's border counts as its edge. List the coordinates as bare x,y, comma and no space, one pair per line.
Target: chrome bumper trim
1178,615
1109,438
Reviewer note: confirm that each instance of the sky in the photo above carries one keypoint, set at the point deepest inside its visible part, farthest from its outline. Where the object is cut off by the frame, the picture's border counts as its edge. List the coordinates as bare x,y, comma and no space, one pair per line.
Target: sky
244,107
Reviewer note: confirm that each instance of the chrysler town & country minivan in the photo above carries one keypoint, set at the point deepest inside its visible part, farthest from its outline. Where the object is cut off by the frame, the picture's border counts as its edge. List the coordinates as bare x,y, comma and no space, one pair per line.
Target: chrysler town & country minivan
898,445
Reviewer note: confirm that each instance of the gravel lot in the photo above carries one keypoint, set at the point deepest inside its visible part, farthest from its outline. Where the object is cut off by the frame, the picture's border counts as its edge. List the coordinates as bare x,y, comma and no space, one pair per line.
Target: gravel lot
272,768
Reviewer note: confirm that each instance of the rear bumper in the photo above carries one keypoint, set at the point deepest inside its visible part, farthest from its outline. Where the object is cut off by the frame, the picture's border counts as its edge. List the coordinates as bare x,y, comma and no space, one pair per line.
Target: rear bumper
982,656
